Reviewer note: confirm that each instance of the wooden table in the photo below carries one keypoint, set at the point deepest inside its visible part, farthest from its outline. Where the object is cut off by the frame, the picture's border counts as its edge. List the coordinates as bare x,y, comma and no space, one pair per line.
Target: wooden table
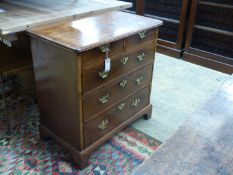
19,16
16,16
203,145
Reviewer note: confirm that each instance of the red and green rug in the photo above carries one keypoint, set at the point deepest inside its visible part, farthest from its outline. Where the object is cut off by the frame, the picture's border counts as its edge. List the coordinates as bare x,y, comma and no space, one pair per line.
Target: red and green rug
23,152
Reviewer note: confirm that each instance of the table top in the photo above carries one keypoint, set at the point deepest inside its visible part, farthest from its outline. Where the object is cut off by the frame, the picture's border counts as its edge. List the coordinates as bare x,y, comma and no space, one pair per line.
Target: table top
84,34
202,145
16,16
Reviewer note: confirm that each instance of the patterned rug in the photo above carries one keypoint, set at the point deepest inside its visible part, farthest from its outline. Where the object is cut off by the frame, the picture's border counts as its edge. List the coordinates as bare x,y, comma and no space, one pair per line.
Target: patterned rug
22,151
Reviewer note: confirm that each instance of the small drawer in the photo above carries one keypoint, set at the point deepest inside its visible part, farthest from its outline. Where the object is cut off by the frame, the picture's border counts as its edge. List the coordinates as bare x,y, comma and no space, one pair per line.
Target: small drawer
107,97
96,77
121,112
115,49
140,39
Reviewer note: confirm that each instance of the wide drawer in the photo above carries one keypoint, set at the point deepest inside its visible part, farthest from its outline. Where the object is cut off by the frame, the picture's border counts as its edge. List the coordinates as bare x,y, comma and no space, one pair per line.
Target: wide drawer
121,112
97,55
95,77
140,39
107,97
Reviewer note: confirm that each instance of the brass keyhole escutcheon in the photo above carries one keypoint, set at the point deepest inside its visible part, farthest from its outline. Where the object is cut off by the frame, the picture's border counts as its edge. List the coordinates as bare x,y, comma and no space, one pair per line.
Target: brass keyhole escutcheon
124,60
123,83
121,106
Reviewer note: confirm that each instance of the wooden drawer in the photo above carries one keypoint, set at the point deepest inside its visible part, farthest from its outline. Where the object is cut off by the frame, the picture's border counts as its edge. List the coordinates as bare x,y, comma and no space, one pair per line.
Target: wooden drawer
120,67
107,97
140,39
116,48
120,113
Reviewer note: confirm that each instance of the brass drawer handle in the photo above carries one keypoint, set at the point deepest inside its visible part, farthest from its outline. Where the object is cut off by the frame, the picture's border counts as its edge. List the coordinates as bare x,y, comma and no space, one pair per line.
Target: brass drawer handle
123,83
139,80
103,124
103,74
121,106
124,60
142,34
141,57
104,48
104,99
136,102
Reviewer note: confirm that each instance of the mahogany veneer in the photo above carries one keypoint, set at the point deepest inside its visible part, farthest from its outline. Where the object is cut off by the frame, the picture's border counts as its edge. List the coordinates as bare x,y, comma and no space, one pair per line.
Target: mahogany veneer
81,106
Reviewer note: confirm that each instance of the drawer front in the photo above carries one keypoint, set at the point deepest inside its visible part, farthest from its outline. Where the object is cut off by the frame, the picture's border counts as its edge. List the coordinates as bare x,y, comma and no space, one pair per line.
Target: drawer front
107,97
140,38
96,56
95,77
121,112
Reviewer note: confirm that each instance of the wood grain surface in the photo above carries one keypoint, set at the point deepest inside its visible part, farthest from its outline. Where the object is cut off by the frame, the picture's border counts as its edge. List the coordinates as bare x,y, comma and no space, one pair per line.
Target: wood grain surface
21,15
115,116
80,106
91,79
88,33
203,145
116,91
58,90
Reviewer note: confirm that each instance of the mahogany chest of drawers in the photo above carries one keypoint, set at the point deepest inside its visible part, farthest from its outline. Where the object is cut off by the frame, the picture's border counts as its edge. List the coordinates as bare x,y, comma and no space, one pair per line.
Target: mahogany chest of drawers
93,78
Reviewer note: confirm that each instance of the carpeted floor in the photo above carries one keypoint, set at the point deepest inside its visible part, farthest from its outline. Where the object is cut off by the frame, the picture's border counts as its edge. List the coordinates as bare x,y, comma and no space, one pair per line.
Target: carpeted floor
178,89
22,151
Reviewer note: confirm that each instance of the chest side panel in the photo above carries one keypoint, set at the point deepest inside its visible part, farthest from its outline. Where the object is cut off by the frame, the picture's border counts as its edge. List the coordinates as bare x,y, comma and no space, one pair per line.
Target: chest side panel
57,84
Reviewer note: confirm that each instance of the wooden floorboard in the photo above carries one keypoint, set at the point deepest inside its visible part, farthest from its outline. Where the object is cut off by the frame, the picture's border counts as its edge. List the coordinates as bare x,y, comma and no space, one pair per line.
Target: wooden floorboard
203,145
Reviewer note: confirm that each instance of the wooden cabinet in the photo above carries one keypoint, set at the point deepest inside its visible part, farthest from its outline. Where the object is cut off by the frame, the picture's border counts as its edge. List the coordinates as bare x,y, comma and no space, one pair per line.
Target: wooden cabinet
174,14
210,35
81,104
198,31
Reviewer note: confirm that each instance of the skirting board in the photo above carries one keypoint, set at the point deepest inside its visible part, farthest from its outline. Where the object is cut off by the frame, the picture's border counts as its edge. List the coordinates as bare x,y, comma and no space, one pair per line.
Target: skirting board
169,51
202,61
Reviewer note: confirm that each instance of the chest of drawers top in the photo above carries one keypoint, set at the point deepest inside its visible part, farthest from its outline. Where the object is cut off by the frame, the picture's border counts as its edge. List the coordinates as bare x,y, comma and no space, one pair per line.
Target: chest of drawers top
88,33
